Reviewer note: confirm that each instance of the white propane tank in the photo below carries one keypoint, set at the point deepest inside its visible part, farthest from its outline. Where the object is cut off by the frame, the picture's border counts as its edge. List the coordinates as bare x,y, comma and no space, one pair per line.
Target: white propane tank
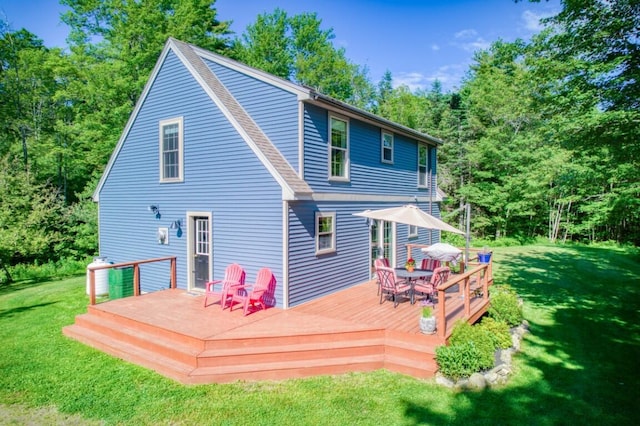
102,277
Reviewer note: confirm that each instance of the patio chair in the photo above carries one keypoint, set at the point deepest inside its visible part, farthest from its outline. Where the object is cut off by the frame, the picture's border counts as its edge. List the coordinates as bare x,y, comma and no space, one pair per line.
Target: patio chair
430,286
257,293
233,280
381,261
390,284
430,264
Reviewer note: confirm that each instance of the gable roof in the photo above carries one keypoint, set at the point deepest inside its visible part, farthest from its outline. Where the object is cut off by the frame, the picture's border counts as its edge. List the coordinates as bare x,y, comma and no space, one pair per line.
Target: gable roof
293,186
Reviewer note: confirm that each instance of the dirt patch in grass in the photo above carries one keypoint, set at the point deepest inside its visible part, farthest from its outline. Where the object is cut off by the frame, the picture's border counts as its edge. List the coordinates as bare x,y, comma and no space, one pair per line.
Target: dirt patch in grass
23,415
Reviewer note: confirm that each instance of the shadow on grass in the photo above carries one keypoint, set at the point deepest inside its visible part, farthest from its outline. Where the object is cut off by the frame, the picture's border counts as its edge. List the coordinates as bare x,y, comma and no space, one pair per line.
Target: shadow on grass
19,285
8,313
581,355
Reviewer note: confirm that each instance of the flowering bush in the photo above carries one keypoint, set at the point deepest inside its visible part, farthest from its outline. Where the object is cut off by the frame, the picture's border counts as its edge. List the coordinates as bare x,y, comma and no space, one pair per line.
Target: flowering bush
410,263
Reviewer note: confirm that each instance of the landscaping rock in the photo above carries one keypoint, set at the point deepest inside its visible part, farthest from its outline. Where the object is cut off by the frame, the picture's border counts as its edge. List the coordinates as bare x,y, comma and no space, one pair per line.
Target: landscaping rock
444,381
477,381
462,384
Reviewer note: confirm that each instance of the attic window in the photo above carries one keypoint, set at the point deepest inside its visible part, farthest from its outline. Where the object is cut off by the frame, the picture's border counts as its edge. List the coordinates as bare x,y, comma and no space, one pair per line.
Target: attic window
171,150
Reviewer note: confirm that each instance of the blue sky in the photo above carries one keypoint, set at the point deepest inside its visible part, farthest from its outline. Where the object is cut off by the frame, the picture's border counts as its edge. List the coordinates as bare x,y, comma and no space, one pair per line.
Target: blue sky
417,40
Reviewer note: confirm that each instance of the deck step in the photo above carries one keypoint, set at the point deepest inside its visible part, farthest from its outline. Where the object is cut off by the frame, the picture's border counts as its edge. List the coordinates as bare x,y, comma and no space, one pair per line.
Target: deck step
170,346
287,370
338,348
123,321
294,338
134,354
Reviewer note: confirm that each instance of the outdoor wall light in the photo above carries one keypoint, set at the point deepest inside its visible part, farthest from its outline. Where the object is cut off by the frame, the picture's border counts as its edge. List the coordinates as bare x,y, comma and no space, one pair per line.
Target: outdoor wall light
155,210
176,224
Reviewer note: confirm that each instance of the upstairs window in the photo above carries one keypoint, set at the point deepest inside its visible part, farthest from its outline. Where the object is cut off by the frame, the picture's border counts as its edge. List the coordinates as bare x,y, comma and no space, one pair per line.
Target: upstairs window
325,232
387,148
423,166
171,143
339,155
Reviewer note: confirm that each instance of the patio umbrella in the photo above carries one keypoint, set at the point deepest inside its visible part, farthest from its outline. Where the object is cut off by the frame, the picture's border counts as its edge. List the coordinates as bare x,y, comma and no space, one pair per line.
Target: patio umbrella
410,215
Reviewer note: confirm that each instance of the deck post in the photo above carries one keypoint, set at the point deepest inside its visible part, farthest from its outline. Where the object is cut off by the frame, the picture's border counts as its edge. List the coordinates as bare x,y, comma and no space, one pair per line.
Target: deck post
136,279
92,286
441,323
467,297
173,272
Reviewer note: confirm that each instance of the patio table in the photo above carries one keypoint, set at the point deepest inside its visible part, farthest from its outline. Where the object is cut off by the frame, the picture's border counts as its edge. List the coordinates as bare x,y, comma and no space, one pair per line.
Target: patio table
410,277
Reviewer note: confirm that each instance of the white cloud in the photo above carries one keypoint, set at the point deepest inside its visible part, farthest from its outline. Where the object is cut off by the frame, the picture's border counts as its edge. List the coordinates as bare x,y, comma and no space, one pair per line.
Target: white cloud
435,47
466,34
449,76
413,80
468,40
532,20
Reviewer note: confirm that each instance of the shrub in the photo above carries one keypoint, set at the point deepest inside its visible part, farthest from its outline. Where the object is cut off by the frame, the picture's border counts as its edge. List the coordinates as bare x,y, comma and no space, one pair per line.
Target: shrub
505,306
471,349
498,331
464,332
456,361
49,270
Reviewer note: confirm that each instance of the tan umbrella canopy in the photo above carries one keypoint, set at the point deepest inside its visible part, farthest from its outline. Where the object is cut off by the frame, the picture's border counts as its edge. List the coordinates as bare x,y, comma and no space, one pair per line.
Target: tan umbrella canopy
410,215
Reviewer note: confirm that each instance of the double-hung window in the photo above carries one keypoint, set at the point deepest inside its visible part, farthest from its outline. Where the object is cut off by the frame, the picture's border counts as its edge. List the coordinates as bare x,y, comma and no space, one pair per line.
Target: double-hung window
325,232
387,148
171,150
423,166
339,148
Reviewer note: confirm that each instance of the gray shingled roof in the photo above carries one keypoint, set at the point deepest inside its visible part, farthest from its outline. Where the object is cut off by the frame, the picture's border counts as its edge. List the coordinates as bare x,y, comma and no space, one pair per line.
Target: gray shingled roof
286,174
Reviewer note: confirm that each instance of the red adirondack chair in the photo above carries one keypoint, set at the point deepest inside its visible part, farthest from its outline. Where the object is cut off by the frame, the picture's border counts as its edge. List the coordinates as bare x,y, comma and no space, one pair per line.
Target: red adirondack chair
258,293
225,288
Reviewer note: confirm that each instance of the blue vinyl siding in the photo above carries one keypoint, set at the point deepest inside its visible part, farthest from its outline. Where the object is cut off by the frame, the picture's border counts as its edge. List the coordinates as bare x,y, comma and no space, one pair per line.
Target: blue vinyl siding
368,174
221,175
311,276
272,108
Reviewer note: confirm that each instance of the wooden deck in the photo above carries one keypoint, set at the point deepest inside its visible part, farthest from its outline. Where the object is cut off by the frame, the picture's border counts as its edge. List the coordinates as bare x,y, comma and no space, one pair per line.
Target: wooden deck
172,333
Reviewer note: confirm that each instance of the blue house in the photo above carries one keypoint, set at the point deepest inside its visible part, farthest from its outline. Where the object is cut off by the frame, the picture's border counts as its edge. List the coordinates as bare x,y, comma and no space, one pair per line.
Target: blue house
222,163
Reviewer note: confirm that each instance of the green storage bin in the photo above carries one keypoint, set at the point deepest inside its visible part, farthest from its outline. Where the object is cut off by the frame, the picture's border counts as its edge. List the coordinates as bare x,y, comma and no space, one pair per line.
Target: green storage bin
120,282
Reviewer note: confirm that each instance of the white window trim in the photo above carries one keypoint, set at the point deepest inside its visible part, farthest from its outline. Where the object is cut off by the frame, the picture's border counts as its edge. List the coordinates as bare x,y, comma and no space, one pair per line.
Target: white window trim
347,162
412,231
382,147
332,249
426,173
180,122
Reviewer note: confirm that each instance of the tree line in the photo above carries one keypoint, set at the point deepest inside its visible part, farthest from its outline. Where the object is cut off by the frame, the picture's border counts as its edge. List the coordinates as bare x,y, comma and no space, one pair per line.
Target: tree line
541,138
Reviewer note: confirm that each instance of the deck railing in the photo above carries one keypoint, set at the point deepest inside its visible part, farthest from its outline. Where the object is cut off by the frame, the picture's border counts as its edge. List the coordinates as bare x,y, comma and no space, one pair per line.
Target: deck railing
474,278
136,274
474,282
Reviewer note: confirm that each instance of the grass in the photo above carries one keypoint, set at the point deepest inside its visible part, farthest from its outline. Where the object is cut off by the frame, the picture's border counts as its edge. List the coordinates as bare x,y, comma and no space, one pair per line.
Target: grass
578,362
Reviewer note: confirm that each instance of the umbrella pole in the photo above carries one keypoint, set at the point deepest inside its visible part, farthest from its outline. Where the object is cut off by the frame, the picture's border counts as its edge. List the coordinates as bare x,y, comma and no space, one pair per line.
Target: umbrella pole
467,213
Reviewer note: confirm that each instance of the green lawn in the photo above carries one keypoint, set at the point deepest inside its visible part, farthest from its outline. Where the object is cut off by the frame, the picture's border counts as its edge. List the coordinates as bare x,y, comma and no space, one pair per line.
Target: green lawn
579,363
